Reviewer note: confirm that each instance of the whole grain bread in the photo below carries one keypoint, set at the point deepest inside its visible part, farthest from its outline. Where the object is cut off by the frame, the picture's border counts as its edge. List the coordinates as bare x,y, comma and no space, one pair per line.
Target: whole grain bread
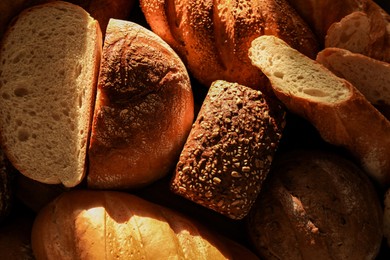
229,150
370,76
50,58
144,109
341,114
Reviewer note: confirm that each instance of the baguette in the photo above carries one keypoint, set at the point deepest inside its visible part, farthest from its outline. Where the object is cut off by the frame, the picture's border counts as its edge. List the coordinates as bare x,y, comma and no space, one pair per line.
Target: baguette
213,37
50,59
341,114
370,76
86,224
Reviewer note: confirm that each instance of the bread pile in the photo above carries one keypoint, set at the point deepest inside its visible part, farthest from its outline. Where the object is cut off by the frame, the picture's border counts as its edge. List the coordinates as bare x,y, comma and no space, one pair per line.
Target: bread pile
160,129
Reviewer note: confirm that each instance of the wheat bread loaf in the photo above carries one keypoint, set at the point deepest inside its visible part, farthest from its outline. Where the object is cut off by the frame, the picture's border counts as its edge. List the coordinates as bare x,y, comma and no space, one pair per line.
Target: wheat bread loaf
49,61
144,109
86,224
340,113
229,150
213,37
316,205
370,76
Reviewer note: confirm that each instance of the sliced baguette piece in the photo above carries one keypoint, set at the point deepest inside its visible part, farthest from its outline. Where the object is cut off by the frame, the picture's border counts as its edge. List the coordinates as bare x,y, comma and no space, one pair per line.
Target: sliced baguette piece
370,76
341,114
366,32
49,64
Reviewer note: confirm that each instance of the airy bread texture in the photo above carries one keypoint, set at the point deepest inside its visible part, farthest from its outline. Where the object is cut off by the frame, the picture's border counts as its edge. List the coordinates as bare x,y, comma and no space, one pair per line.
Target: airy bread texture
366,32
87,224
370,76
144,109
49,61
316,205
341,114
213,37
230,148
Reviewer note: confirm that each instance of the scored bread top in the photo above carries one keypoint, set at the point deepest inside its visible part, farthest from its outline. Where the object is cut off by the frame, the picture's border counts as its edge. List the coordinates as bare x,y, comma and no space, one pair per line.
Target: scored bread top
48,70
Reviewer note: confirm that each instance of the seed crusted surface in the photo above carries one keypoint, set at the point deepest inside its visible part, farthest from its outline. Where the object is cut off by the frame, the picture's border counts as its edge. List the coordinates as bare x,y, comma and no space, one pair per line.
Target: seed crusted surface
229,150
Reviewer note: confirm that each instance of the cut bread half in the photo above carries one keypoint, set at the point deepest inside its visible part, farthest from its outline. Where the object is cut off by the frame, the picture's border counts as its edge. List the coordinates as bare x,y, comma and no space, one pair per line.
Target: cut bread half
370,76
49,61
341,114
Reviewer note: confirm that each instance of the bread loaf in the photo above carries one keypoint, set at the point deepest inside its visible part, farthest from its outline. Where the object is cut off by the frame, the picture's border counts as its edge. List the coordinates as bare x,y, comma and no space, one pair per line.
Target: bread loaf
229,150
48,70
144,109
6,187
341,114
370,76
365,32
86,224
213,37
316,205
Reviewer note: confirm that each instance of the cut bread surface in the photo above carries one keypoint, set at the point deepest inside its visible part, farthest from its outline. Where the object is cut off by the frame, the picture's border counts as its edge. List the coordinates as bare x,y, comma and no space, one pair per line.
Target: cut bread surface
279,62
47,79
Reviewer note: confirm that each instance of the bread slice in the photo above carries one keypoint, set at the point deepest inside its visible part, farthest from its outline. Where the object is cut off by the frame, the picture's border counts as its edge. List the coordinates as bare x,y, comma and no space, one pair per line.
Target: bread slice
49,63
365,32
370,76
341,114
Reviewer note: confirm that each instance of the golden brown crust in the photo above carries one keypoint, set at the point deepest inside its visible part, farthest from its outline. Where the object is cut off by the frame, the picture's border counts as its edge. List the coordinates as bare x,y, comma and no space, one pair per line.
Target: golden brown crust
229,150
144,109
91,224
316,205
213,37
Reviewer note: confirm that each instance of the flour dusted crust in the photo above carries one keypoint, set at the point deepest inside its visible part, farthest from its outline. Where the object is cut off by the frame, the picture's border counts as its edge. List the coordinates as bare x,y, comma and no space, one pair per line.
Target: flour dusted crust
229,150
144,109
213,37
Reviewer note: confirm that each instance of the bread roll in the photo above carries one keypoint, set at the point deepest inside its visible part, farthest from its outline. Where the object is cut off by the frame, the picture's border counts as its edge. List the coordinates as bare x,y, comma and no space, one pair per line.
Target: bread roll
341,114
49,65
370,76
144,109
229,150
213,37
316,205
86,224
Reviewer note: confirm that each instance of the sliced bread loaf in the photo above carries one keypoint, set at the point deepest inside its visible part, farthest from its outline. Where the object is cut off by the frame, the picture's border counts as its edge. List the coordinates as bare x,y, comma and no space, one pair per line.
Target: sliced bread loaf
370,76
49,60
341,114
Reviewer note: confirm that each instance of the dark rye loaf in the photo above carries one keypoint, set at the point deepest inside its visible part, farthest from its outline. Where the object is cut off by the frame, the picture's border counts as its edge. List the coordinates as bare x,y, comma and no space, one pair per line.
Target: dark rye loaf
229,150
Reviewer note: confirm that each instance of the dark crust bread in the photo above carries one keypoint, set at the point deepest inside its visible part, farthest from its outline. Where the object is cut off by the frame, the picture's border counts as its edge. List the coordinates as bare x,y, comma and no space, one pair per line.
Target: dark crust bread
144,109
213,37
316,205
229,150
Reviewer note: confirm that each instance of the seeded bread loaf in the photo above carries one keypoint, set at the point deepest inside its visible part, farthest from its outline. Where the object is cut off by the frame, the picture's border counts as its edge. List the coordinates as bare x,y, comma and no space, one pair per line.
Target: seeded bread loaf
316,205
50,58
144,109
370,76
229,150
340,113
213,37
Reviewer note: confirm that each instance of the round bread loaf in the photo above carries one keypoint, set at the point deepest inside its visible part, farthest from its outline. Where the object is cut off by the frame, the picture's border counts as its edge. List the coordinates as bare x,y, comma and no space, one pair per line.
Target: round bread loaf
144,109
213,37
316,205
